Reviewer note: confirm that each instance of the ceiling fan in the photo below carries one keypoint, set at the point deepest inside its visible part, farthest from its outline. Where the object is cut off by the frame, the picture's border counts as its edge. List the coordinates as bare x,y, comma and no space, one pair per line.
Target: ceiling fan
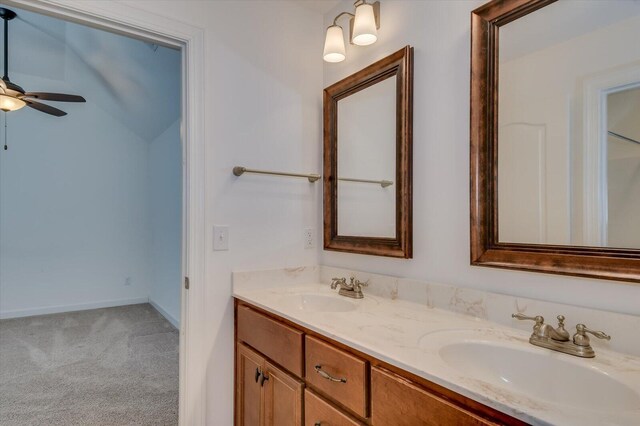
13,97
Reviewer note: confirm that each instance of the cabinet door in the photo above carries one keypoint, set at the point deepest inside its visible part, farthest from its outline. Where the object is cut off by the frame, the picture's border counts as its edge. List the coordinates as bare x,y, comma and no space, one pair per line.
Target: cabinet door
282,398
397,401
249,402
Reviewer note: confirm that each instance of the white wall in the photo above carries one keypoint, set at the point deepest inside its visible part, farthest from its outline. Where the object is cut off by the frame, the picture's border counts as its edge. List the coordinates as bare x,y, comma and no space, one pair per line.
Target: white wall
74,211
79,194
263,109
165,194
440,34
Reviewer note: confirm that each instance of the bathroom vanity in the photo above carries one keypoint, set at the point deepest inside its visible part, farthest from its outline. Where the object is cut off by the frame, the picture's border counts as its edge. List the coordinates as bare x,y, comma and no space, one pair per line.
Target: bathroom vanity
547,195
416,353
289,375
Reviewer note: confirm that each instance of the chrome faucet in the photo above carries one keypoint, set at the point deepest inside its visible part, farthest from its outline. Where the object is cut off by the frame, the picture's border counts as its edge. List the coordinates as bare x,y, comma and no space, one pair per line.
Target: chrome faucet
353,289
557,339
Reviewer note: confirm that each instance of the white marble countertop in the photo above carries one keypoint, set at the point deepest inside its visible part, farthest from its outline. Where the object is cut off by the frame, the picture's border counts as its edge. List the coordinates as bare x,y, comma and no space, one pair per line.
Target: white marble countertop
408,336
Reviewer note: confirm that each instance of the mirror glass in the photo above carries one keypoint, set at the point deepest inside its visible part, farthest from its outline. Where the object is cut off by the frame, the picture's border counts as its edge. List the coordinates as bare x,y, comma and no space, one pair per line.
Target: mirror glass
367,161
569,126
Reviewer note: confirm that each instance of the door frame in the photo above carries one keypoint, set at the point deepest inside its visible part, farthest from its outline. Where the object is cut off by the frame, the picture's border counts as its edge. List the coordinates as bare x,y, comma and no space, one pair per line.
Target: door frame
129,21
596,88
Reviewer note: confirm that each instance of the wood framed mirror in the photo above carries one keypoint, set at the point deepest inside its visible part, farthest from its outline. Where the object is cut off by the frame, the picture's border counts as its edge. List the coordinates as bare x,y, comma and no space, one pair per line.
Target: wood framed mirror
555,137
368,121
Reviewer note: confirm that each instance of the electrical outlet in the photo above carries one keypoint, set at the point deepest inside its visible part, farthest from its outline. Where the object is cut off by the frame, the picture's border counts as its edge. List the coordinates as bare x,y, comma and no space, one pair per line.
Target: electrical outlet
220,237
309,240
127,281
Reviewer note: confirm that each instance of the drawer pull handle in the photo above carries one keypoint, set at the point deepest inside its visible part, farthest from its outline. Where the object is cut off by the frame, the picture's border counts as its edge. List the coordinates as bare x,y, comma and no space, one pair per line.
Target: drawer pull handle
317,424
328,376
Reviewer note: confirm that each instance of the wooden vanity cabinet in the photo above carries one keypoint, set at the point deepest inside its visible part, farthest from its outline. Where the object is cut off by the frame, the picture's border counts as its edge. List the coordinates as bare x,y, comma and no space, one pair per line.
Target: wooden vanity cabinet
283,396
338,374
265,394
249,400
397,401
277,383
319,411
281,343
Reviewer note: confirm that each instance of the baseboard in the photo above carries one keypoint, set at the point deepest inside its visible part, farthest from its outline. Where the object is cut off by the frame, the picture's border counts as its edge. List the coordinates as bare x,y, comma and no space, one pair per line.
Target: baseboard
18,313
164,313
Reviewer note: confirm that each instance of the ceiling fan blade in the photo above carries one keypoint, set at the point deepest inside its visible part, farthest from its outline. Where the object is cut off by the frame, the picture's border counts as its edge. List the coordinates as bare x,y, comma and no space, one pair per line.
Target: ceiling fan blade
44,108
58,97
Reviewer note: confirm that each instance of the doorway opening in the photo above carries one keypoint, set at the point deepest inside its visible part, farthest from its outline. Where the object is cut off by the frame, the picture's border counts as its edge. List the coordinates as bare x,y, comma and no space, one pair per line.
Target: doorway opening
186,194
622,152
594,146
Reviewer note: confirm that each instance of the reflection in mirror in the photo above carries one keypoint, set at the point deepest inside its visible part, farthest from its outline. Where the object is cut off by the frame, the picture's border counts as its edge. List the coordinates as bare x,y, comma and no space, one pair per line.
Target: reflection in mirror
367,161
569,126
623,168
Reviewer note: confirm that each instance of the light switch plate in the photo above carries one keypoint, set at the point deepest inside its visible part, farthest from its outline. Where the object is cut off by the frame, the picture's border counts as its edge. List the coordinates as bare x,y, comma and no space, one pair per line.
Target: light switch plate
220,237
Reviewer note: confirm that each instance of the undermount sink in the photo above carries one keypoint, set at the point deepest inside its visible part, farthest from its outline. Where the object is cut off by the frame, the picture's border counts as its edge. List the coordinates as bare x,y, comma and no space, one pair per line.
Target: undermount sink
311,302
540,374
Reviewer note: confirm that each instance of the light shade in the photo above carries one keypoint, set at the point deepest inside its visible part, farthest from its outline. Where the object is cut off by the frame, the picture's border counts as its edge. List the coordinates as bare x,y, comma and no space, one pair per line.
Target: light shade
9,103
364,26
334,50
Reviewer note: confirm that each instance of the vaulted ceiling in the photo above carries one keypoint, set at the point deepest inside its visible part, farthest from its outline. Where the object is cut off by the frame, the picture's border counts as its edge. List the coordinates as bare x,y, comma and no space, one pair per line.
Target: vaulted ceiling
135,82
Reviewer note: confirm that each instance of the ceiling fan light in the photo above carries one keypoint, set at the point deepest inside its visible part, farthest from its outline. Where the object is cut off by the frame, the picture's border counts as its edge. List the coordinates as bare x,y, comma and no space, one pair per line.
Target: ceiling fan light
364,26
9,103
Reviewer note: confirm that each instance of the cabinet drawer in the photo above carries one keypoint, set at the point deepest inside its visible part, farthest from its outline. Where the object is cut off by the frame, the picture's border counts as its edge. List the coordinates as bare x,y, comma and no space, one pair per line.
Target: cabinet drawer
397,401
274,339
317,411
338,374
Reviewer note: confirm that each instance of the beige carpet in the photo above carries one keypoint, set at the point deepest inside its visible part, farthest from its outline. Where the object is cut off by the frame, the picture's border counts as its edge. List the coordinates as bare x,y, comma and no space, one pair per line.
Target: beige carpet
112,366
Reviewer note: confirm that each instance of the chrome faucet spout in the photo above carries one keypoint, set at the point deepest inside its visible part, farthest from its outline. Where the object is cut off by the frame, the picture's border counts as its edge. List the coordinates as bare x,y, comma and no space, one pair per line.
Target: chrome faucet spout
353,289
335,282
557,339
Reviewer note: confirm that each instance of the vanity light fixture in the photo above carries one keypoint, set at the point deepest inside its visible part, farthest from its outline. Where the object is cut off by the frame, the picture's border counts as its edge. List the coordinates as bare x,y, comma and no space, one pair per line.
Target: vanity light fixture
334,50
365,24
363,30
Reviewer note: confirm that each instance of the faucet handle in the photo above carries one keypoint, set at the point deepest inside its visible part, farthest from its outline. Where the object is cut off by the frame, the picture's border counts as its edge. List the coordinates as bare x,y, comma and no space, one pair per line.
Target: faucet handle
581,338
361,284
538,318
598,334
357,284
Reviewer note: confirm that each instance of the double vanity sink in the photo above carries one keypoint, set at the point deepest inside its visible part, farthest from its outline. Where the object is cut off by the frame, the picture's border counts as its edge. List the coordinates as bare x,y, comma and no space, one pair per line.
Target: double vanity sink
481,360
